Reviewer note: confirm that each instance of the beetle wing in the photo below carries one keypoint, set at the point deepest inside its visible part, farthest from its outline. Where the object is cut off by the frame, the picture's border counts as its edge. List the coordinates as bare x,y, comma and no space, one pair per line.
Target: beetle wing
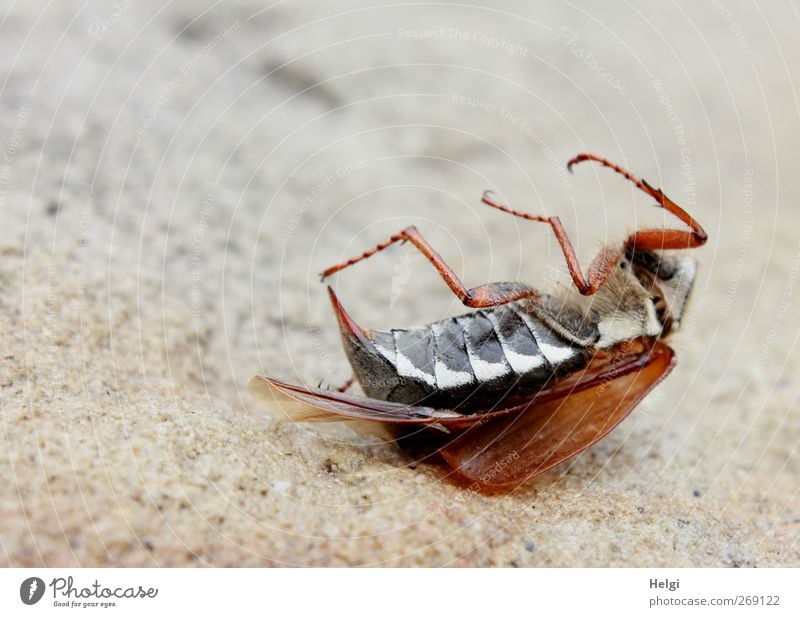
302,404
512,448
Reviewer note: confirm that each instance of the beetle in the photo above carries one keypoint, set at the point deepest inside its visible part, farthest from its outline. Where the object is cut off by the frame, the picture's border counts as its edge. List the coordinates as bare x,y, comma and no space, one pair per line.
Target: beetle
530,378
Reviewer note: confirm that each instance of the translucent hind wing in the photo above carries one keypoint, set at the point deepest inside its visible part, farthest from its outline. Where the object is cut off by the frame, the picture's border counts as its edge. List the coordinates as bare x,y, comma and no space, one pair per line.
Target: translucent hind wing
303,404
513,448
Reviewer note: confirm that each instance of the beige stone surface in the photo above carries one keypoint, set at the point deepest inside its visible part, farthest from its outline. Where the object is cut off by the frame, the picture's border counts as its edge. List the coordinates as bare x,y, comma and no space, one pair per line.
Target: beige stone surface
174,176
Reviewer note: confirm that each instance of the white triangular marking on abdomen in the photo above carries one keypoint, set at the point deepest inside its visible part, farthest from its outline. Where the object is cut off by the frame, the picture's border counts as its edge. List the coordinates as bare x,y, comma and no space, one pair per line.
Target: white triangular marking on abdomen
389,354
520,363
554,354
447,378
406,369
484,371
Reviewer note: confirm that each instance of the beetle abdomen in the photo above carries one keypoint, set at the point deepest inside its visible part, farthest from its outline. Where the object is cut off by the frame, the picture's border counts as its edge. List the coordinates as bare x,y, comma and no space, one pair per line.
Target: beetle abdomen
463,362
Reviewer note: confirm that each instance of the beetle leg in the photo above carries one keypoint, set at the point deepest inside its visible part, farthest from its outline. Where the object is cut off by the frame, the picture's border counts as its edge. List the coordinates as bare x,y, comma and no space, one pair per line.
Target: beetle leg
602,265
484,296
654,239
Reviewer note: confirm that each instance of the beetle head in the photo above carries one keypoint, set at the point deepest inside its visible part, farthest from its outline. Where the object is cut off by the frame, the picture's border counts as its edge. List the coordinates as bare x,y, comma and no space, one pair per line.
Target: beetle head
669,279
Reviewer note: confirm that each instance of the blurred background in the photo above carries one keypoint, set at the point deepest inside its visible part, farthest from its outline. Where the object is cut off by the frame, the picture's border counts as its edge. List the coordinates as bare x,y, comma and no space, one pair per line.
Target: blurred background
175,175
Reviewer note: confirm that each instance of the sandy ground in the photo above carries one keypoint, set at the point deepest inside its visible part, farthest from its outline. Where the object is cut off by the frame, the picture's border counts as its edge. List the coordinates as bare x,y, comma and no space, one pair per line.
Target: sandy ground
175,175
